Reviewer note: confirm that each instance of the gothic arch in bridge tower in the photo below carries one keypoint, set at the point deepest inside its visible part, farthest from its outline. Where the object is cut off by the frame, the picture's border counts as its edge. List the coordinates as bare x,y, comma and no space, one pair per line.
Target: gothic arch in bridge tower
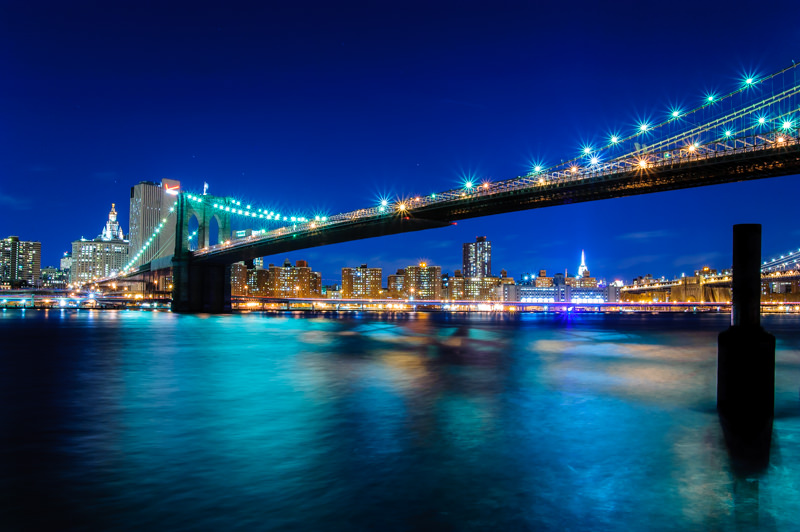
200,286
203,211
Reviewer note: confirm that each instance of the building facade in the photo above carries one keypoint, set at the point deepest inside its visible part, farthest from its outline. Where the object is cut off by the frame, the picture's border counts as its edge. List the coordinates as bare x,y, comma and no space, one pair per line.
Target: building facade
423,282
102,257
477,258
396,285
150,205
361,282
20,262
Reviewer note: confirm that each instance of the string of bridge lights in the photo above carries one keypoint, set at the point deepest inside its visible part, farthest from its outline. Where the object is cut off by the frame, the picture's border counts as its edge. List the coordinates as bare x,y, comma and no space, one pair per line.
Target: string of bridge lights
644,127
129,266
761,121
249,212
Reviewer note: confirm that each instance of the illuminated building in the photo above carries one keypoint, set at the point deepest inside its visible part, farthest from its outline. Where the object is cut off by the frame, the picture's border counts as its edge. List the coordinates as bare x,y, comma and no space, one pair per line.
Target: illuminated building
150,204
238,279
423,282
54,278
477,258
258,282
293,281
543,281
453,286
102,257
361,282
568,294
20,262
480,288
66,261
584,278
582,268
396,285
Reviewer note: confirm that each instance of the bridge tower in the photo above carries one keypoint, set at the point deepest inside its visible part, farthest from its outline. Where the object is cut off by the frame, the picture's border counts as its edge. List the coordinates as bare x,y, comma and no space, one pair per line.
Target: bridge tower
200,286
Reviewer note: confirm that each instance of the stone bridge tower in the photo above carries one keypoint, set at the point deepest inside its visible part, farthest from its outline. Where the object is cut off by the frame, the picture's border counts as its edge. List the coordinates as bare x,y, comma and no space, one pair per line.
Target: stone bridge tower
200,286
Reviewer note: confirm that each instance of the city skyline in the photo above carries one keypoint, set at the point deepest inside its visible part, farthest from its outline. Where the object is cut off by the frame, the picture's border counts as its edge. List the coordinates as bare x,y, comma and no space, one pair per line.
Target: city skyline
337,115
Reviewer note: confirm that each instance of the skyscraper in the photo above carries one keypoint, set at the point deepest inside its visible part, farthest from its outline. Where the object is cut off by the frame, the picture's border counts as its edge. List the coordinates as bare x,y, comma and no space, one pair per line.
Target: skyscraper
102,257
478,258
20,262
582,268
150,204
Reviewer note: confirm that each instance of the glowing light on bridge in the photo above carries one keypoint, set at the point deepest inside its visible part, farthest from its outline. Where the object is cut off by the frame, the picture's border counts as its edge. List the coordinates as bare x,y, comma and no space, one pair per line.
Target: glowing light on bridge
614,139
643,127
594,160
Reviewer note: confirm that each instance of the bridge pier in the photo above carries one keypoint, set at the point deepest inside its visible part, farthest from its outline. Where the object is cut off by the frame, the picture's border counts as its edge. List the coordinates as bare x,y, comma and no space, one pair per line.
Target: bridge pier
201,287
746,357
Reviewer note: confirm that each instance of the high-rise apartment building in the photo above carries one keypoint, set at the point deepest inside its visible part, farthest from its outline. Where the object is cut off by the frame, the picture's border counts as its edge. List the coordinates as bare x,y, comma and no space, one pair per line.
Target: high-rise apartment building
293,281
20,262
396,285
150,204
477,258
424,282
361,282
104,256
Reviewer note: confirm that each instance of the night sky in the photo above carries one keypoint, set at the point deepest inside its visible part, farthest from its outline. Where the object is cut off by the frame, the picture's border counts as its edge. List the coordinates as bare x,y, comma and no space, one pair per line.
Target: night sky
324,107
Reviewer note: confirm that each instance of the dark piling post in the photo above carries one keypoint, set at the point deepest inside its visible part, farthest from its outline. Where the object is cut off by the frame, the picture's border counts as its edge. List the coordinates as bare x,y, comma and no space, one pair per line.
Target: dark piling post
746,356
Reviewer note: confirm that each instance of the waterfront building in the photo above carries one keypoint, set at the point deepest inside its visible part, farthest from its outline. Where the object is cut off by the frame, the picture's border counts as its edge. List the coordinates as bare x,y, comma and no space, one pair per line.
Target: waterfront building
150,204
361,282
238,279
423,282
568,294
396,285
104,256
543,281
54,278
453,286
480,288
293,281
66,261
477,258
508,292
543,294
20,262
257,282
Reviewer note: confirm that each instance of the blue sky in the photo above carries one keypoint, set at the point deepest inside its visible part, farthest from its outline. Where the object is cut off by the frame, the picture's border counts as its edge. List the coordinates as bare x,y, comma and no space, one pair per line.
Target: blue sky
314,107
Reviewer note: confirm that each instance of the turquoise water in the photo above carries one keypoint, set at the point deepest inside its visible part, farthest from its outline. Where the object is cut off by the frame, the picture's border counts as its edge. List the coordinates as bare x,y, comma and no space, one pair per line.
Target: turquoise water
149,420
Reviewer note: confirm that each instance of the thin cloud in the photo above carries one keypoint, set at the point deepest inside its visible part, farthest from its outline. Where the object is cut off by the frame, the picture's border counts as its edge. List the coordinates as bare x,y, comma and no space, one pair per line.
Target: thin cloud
645,235
703,259
14,203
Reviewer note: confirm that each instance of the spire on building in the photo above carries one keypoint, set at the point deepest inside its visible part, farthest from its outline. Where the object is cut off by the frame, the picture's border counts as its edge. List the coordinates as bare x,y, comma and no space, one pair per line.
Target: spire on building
582,268
112,229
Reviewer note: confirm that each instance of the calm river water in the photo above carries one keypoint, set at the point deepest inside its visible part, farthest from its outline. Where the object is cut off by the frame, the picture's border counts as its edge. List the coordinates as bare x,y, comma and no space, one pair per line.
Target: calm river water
155,421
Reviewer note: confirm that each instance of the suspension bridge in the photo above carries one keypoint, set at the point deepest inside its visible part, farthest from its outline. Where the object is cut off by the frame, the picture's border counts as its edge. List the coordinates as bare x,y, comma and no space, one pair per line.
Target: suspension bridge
751,132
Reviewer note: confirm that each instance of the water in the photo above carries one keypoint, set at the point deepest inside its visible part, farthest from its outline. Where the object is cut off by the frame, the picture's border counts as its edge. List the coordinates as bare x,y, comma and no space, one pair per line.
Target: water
137,420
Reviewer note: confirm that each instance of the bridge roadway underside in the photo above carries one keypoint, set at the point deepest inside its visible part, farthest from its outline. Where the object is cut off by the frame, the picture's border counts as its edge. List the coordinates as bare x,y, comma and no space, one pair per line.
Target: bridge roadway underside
729,168
202,282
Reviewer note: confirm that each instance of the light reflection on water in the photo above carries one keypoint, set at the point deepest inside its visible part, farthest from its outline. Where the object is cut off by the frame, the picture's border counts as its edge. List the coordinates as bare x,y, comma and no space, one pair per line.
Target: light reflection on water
128,420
